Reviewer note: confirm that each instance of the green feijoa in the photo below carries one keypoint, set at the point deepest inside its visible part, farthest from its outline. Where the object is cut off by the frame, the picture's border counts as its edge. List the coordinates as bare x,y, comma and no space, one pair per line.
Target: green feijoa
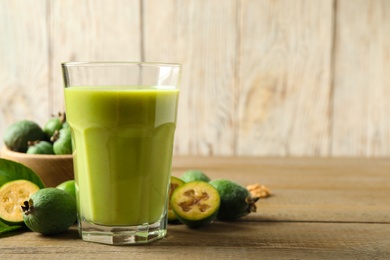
195,203
62,141
194,175
236,200
49,211
54,124
69,187
17,135
40,147
174,184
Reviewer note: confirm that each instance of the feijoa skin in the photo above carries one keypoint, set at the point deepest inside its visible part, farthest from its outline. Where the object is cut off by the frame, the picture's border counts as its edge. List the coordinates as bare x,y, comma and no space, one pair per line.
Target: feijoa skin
40,147
195,203
17,135
62,141
236,200
49,211
54,124
69,187
194,175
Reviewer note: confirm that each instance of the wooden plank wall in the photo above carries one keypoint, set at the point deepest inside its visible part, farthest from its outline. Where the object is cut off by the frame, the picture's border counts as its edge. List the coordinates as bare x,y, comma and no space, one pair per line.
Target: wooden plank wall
260,77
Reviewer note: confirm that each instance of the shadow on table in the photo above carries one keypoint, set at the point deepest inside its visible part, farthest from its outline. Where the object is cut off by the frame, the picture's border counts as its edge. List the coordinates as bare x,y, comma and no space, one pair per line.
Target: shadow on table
70,234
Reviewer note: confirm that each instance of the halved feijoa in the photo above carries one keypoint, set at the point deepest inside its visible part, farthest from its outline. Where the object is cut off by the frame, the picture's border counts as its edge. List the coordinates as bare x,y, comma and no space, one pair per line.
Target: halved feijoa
236,200
12,196
194,175
175,183
195,203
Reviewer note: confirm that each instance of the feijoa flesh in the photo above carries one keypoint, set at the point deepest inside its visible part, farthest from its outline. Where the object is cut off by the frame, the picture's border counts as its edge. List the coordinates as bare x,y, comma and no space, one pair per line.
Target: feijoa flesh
49,211
195,203
236,200
175,183
12,196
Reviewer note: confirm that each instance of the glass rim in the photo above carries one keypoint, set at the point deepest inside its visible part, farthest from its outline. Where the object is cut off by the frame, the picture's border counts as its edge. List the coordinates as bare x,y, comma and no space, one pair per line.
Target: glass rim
118,63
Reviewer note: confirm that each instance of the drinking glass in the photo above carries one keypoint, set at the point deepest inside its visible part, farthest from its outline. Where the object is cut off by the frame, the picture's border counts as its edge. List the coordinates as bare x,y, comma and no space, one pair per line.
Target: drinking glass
122,117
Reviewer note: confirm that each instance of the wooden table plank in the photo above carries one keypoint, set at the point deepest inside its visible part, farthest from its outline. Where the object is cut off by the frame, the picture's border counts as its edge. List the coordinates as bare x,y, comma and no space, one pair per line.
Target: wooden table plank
316,189
219,240
319,209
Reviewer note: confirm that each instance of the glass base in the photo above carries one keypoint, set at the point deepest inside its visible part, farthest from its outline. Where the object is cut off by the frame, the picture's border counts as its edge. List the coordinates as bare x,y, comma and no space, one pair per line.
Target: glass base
122,235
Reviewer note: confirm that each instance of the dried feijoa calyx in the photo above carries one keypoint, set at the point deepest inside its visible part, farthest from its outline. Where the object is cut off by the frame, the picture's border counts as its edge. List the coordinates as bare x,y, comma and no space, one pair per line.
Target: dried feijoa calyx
175,183
195,203
236,200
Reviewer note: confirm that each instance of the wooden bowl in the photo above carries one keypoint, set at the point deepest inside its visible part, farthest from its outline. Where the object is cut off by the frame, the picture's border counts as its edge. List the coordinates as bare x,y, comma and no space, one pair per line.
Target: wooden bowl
53,169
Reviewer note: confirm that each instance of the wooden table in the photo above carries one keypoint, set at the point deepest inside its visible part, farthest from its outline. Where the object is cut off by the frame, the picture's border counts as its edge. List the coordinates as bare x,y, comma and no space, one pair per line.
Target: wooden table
320,208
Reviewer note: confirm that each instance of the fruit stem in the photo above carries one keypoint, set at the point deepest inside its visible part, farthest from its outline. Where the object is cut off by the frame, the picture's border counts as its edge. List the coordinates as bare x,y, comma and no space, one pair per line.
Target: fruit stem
55,136
32,143
252,203
62,117
28,206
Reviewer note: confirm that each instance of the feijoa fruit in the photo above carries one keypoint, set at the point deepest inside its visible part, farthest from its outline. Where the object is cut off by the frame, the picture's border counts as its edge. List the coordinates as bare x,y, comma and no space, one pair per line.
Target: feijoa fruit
12,196
195,203
49,211
236,200
69,187
194,175
40,147
54,124
175,183
17,135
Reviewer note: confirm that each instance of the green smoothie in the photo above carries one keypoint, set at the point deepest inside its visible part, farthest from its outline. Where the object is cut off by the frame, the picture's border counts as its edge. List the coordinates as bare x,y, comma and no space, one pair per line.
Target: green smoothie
123,143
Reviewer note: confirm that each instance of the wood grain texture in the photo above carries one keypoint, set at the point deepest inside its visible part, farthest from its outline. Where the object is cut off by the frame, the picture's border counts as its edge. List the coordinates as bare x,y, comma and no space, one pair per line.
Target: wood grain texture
285,78
362,79
238,240
159,31
24,70
202,36
92,30
260,78
320,209
340,190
